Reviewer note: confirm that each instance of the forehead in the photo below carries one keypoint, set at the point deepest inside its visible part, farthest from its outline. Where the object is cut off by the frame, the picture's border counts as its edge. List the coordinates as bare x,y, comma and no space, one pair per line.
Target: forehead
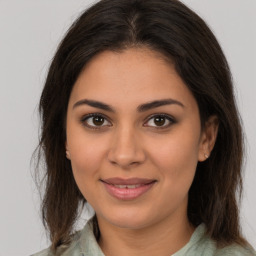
130,76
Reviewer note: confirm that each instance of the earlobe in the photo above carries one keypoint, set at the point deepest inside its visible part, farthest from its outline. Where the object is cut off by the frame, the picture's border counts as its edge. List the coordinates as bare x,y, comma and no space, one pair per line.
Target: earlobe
206,156
67,152
208,138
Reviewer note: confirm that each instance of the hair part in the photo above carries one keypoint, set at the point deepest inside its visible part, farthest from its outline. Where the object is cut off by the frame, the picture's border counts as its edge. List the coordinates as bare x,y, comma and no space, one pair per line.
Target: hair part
173,30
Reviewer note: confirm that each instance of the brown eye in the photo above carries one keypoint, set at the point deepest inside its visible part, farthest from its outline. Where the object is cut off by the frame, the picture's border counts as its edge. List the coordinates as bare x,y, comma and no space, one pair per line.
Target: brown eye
95,121
160,121
98,120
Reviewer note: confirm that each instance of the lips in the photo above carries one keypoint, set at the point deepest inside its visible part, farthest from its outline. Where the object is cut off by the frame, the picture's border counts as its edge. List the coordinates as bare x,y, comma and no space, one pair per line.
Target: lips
127,189
131,181
128,186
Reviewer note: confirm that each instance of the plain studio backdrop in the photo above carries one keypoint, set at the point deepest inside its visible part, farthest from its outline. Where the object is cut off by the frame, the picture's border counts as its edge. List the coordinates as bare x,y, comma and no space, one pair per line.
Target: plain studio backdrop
30,31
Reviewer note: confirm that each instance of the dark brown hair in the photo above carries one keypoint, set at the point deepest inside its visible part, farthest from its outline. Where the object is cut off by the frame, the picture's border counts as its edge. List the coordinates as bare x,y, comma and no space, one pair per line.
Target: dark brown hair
172,29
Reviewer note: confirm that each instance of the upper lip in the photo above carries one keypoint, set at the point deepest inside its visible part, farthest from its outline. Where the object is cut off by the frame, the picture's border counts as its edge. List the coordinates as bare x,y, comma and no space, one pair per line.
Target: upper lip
130,181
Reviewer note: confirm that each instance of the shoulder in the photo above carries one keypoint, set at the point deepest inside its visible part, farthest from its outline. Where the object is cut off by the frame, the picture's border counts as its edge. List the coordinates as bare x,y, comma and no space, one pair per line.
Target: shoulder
201,244
45,252
82,243
209,247
63,249
235,250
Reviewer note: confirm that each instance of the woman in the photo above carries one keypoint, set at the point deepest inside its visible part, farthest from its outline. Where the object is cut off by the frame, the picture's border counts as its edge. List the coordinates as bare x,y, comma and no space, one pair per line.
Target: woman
139,119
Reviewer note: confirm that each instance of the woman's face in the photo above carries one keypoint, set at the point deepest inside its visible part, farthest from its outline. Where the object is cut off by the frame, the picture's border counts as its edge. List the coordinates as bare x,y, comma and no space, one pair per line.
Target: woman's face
134,138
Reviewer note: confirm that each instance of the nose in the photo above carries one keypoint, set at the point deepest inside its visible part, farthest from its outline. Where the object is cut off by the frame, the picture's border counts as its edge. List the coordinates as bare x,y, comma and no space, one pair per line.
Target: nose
126,149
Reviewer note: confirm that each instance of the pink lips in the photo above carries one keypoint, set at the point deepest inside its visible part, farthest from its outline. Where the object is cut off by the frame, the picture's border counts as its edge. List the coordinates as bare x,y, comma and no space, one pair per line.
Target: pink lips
127,189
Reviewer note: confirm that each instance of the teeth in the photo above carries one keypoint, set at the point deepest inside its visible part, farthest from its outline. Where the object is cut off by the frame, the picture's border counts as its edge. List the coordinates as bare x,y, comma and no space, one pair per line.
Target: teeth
127,186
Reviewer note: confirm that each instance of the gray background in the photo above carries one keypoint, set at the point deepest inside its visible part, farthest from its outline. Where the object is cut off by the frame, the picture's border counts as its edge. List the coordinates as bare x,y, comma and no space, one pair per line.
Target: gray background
29,33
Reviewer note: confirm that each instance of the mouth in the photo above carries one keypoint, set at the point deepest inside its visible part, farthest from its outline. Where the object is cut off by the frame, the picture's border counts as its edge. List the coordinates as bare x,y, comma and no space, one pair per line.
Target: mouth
127,186
127,189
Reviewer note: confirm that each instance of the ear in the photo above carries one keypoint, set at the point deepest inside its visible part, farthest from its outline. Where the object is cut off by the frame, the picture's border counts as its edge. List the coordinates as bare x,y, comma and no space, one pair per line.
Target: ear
208,138
67,152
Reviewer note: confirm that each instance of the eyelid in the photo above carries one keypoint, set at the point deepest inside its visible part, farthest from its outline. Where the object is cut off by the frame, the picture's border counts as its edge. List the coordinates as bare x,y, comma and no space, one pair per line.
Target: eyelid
170,118
87,116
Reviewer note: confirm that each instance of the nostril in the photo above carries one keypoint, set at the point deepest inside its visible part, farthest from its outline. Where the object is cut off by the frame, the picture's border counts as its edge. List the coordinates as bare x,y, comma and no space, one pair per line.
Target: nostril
126,153
124,163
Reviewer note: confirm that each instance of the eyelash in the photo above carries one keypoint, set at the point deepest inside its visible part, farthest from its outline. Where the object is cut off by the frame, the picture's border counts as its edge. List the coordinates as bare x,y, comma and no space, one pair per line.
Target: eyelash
168,118
85,118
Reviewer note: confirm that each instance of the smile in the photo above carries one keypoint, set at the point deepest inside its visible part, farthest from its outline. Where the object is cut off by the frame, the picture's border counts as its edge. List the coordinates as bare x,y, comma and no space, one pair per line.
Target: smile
127,189
128,186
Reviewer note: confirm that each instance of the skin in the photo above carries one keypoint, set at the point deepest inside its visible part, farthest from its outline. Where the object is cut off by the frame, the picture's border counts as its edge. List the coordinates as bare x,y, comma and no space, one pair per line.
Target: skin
130,143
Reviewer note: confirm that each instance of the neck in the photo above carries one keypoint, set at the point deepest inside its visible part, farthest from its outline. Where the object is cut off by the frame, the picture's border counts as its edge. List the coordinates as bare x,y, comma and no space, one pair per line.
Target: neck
163,238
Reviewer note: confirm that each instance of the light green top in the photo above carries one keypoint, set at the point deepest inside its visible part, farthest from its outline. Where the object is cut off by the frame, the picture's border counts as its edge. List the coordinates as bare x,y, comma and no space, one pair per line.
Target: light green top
85,244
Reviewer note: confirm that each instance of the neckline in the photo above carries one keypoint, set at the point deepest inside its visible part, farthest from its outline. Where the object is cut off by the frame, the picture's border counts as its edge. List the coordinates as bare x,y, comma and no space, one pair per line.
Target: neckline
196,236
88,243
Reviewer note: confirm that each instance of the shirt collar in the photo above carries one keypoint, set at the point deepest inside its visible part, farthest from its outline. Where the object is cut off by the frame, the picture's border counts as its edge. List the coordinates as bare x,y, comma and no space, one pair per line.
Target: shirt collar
88,244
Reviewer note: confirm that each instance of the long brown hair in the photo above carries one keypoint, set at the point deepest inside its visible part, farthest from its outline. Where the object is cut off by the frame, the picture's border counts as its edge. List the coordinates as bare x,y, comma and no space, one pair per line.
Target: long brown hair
172,29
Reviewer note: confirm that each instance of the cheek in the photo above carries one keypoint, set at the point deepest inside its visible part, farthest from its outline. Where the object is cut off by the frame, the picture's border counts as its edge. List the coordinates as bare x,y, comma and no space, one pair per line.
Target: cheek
87,159
176,157
85,162
87,155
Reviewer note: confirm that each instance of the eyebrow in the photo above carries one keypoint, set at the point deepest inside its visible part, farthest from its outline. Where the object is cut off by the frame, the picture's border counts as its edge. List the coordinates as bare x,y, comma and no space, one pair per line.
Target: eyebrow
158,103
95,104
140,108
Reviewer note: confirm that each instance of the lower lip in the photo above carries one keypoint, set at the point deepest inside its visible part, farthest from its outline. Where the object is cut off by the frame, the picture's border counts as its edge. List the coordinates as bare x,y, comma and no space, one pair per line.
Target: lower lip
127,193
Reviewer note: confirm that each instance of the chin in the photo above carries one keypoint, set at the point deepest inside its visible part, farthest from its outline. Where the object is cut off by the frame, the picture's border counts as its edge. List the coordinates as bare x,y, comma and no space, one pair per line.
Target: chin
129,220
